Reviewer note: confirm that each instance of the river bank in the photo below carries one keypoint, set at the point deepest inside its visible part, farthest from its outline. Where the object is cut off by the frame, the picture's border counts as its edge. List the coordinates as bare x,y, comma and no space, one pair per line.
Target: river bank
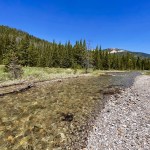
124,122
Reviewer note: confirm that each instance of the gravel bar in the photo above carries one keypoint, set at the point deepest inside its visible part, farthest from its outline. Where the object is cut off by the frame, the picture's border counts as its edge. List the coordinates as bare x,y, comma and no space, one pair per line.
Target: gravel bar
124,123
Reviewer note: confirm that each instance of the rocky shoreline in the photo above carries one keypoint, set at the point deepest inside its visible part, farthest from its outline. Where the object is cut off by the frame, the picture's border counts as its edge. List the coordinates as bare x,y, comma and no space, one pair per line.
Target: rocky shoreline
124,123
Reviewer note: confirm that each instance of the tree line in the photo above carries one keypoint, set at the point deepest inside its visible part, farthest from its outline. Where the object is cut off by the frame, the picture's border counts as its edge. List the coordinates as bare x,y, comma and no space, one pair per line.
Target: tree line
32,51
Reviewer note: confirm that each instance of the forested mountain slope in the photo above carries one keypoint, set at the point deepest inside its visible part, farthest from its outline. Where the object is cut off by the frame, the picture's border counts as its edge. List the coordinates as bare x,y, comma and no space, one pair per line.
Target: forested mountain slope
32,51
140,54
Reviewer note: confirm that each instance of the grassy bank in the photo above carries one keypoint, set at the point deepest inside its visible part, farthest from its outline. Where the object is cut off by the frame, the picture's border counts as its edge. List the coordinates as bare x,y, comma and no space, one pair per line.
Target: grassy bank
3,75
39,74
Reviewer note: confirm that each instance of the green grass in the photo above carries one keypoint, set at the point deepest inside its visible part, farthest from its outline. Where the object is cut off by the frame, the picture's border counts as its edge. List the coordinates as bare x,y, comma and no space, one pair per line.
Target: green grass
45,73
3,75
39,73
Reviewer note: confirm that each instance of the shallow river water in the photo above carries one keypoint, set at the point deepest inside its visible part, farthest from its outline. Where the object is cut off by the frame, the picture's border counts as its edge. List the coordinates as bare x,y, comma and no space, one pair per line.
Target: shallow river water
55,115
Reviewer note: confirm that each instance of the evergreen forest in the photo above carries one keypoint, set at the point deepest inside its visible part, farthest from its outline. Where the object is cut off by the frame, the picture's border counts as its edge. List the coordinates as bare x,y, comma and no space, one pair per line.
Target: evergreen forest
32,51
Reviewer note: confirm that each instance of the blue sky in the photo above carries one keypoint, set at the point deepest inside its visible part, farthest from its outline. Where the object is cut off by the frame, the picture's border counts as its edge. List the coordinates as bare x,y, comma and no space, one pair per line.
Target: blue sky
109,23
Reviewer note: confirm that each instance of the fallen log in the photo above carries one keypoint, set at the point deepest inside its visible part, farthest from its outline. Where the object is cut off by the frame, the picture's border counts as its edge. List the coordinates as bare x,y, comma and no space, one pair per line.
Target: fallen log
23,89
13,84
34,83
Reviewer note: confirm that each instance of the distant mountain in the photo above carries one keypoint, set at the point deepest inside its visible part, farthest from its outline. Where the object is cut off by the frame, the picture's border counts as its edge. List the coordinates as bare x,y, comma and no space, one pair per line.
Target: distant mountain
115,50
140,54
122,51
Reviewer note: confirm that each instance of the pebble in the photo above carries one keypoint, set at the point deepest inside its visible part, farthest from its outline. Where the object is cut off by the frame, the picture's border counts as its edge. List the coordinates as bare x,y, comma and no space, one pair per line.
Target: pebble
124,123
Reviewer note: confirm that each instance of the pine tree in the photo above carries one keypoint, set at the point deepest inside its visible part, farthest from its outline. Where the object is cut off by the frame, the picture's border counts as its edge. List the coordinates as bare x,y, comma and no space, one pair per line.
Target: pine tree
97,62
13,68
23,51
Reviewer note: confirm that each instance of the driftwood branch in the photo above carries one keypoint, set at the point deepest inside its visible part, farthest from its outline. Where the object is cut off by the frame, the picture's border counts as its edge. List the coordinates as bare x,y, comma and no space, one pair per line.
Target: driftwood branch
34,83
23,89
13,84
